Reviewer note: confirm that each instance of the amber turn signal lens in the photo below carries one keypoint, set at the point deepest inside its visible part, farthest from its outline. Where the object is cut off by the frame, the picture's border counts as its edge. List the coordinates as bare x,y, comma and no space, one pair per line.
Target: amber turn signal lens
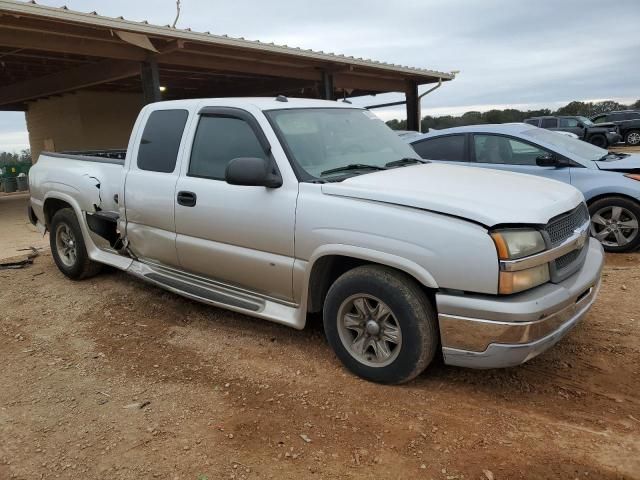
633,176
514,282
501,246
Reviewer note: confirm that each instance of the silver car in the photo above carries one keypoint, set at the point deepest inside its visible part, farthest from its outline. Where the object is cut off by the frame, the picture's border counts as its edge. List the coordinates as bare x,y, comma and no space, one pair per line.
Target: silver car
609,181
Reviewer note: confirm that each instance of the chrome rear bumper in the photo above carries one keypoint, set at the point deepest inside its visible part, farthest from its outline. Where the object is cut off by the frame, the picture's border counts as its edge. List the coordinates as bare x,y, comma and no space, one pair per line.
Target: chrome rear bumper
479,331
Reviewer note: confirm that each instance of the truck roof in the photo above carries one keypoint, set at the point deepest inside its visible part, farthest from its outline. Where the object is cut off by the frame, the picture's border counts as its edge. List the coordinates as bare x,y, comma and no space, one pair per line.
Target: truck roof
262,103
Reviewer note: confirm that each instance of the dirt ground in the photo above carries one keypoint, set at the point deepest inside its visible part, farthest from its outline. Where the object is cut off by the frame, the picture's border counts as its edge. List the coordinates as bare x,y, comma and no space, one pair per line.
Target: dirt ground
15,230
111,378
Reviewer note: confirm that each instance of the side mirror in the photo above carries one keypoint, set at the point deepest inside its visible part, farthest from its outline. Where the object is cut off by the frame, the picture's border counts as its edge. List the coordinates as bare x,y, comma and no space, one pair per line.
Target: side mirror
252,172
550,160
580,125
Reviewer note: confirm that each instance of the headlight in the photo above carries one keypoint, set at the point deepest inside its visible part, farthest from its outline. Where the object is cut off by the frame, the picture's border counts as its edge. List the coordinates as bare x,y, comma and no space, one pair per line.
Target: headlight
513,244
517,243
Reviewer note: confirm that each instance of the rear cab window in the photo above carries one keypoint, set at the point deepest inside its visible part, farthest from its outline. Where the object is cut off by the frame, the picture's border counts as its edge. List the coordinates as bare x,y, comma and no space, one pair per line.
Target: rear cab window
160,142
549,123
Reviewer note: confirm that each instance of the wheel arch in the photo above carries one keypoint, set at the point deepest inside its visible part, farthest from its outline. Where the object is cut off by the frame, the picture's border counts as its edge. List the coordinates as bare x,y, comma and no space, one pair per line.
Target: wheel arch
57,201
601,196
329,262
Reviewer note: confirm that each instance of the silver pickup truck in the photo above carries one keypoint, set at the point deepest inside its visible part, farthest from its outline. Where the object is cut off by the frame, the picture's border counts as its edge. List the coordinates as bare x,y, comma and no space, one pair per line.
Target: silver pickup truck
281,207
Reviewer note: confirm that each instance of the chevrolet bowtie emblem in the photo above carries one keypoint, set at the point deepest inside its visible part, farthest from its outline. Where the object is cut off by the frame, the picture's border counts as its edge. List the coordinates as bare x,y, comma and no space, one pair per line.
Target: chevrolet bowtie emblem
583,234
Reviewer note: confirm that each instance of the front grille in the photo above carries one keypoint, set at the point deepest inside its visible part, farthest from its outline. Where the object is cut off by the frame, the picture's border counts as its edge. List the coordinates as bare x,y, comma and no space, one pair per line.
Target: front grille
558,230
562,227
567,259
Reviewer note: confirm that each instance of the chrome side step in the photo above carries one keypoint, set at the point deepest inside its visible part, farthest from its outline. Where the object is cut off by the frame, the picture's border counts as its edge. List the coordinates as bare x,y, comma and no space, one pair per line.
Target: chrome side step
219,295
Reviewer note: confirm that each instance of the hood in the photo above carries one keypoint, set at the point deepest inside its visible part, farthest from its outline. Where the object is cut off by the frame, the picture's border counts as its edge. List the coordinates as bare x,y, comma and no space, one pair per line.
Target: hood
626,164
489,197
607,125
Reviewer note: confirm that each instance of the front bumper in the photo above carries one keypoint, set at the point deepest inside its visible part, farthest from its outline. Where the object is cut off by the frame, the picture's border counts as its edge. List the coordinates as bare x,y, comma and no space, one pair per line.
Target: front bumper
480,331
613,138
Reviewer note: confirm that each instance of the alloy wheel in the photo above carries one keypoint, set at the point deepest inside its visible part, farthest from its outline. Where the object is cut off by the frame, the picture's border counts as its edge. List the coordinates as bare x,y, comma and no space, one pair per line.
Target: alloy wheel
369,330
66,245
614,226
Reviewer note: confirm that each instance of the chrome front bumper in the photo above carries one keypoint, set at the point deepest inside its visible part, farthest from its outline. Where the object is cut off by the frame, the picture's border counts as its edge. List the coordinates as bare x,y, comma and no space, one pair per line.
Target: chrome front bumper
480,331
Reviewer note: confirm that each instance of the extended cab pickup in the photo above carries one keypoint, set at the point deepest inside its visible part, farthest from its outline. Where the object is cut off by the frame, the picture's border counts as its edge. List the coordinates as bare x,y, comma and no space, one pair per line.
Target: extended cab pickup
281,207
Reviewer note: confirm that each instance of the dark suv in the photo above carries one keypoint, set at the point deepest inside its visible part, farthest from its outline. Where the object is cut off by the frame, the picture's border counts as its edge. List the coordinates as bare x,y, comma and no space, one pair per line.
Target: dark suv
601,135
628,122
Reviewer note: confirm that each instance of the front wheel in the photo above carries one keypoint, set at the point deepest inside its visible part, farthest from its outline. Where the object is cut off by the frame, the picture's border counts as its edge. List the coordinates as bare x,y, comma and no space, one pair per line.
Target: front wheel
615,223
67,246
599,141
632,138
380,324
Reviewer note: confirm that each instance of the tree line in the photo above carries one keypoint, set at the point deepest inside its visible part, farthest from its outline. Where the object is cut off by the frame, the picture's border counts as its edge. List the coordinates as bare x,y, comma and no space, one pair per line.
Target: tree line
586,109
11,158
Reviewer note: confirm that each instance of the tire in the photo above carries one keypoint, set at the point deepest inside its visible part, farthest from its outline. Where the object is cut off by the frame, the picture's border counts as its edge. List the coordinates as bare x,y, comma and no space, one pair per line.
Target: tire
632,138
412,322
599,141
610,230
68,248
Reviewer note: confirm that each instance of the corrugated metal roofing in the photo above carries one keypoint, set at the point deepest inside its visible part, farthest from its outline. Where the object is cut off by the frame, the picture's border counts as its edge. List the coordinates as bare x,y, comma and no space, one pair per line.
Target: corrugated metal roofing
94,19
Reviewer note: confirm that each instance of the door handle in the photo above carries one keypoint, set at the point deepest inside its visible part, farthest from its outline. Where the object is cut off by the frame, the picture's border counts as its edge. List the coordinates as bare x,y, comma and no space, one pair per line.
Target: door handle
187,199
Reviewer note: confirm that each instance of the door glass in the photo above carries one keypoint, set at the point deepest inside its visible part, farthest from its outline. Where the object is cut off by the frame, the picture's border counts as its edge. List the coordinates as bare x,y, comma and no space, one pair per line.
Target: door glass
568,123
503,150
161,138
219,140
549,123
533,122
442,148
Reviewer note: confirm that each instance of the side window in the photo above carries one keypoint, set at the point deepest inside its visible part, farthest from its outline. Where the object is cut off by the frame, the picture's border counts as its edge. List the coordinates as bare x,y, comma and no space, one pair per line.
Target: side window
160,141
549,123
219,140
442,148
533,121
568,123
601,119
616,117
506,151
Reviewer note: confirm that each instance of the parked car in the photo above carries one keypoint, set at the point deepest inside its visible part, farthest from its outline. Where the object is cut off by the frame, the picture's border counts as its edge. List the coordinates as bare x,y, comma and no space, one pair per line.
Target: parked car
279,207
609,181
627,121
601,135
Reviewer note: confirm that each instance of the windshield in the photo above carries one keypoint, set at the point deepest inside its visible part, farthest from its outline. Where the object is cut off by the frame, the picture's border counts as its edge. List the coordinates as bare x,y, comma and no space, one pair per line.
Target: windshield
325,139
586,121
579,148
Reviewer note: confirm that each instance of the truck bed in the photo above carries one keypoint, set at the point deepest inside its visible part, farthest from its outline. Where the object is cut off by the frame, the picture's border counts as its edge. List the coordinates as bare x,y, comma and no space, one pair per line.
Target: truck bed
101,156
91,178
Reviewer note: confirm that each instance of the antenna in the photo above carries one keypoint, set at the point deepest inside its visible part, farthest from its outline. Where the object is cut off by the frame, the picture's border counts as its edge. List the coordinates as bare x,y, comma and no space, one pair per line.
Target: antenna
177,14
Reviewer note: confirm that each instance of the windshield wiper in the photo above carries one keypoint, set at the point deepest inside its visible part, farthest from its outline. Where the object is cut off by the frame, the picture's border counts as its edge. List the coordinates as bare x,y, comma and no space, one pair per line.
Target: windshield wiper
404,161
352,166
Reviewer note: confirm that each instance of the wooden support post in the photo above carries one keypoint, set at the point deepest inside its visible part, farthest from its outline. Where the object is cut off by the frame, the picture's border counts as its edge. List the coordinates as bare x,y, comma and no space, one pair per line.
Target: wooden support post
150,81
327,90
413,106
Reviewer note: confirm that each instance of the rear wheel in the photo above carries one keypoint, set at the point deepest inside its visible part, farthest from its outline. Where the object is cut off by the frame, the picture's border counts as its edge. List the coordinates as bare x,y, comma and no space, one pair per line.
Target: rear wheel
67,246
615,222
380,324
599,141
632,138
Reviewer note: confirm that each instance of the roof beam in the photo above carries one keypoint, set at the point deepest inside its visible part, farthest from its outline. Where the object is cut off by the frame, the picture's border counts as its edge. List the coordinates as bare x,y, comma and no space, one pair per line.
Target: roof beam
364,82
61,44
211,62
69,80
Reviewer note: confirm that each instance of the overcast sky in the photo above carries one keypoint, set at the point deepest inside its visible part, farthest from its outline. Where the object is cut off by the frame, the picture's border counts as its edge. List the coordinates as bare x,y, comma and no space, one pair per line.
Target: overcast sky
519,53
